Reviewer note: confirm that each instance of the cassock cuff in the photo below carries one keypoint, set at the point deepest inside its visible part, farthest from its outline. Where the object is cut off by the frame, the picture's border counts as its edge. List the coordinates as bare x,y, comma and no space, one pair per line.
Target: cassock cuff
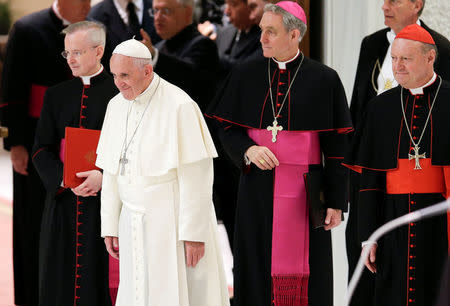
109,231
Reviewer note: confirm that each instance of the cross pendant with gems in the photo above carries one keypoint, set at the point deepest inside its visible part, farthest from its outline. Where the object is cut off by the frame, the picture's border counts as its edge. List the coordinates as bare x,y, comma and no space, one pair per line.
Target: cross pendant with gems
417,157
274,128
123,161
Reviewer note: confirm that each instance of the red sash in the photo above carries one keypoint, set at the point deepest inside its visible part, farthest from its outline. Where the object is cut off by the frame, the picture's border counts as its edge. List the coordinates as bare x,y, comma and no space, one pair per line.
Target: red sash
431,179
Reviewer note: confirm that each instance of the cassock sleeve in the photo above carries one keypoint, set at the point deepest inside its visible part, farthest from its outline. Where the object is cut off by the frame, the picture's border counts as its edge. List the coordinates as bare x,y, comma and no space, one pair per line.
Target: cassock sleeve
334,146
195,183
111,205
235,142
370,201
15,88
46,148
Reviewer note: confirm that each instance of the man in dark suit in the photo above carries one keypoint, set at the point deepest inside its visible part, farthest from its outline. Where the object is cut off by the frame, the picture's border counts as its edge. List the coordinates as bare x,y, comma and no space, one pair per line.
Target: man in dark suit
33,62
239,40
123,19
374,76
184,57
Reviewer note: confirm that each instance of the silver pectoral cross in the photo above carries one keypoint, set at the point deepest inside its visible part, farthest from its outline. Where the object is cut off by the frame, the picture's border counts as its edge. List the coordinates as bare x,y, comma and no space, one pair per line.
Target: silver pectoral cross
123,161
417,157
274,128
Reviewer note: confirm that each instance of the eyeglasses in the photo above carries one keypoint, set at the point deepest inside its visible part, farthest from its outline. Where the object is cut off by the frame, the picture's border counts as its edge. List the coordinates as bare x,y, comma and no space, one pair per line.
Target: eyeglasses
164,11
76,53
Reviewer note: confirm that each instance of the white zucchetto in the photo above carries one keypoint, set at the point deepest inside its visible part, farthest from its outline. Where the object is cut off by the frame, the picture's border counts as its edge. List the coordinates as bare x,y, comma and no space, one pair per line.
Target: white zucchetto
133,48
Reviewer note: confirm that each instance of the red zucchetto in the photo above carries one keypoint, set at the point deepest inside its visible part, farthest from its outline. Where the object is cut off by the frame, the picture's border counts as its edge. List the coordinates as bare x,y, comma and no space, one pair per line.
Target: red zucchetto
417,33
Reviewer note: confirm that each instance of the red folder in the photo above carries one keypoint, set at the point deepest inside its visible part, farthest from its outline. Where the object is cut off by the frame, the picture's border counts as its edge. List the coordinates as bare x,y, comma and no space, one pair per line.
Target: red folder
80,154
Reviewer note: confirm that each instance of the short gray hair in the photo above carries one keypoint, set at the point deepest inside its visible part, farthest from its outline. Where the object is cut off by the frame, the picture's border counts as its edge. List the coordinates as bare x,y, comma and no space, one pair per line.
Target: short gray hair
96,31
290,22
141,62
428,47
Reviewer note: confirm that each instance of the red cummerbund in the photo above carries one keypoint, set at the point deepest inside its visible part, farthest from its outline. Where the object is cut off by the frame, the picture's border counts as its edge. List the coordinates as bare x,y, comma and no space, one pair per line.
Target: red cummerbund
429,179
36,100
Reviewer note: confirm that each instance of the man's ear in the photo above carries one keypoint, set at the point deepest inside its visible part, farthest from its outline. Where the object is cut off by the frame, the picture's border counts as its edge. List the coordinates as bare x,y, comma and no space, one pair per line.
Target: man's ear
295,34
100,50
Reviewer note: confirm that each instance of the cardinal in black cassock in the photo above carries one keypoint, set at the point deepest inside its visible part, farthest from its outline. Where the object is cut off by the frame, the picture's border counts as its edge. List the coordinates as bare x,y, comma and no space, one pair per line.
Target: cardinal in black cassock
33,62
374,76
291,111
73,261
402,151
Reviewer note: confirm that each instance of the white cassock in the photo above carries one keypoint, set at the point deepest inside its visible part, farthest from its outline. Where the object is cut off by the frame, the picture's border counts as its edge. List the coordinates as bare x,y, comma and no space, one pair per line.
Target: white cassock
163,198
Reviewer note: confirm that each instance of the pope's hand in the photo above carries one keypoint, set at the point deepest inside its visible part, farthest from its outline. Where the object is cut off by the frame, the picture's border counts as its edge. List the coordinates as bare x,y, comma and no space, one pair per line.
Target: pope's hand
262,157
112,246
333,218
91,184
19,159
147,41
194,252
371,260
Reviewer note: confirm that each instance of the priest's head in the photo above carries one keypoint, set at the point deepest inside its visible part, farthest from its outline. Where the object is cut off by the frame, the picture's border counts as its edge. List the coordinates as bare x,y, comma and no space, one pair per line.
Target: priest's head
256,8
131,68
238,12
283,26
172,16
400,13
413,55
84,46
74,10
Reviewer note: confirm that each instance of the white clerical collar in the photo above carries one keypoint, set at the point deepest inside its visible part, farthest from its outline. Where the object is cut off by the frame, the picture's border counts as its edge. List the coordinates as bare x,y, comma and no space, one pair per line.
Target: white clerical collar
87,79
121,6
148,92
58,14
419,90
282,65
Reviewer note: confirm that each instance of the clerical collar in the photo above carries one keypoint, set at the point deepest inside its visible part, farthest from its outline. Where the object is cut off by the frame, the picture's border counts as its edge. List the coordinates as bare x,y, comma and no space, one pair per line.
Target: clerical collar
419,90
121,6
87,79
148,92
58,14
282,65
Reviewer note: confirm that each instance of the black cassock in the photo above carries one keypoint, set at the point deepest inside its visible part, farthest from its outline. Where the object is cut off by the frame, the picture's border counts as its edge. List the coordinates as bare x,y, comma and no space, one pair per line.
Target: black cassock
189,60
374,48
73,260
316,102
33,62
409,259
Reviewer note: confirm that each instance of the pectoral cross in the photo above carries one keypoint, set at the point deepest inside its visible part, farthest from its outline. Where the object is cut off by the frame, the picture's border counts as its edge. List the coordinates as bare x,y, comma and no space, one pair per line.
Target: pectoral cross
417,157
123,161
274,128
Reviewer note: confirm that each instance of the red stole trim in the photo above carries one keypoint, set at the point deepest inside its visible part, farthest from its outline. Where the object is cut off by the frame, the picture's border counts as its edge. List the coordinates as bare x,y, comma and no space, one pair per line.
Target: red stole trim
36,100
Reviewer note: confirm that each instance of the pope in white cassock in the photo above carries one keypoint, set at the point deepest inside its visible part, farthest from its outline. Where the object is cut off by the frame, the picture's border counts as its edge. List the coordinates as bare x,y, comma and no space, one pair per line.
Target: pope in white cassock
156,203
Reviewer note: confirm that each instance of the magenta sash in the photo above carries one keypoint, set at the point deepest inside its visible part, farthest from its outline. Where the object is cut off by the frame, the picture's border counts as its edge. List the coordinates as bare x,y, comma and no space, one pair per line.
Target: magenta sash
295,151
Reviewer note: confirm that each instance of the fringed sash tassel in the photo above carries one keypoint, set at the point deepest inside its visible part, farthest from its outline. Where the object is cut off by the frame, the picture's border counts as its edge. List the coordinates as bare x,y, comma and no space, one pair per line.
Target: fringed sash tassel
290,290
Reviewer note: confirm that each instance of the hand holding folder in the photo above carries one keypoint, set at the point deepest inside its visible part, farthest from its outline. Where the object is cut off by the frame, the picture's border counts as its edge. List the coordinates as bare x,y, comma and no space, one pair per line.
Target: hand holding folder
80,154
